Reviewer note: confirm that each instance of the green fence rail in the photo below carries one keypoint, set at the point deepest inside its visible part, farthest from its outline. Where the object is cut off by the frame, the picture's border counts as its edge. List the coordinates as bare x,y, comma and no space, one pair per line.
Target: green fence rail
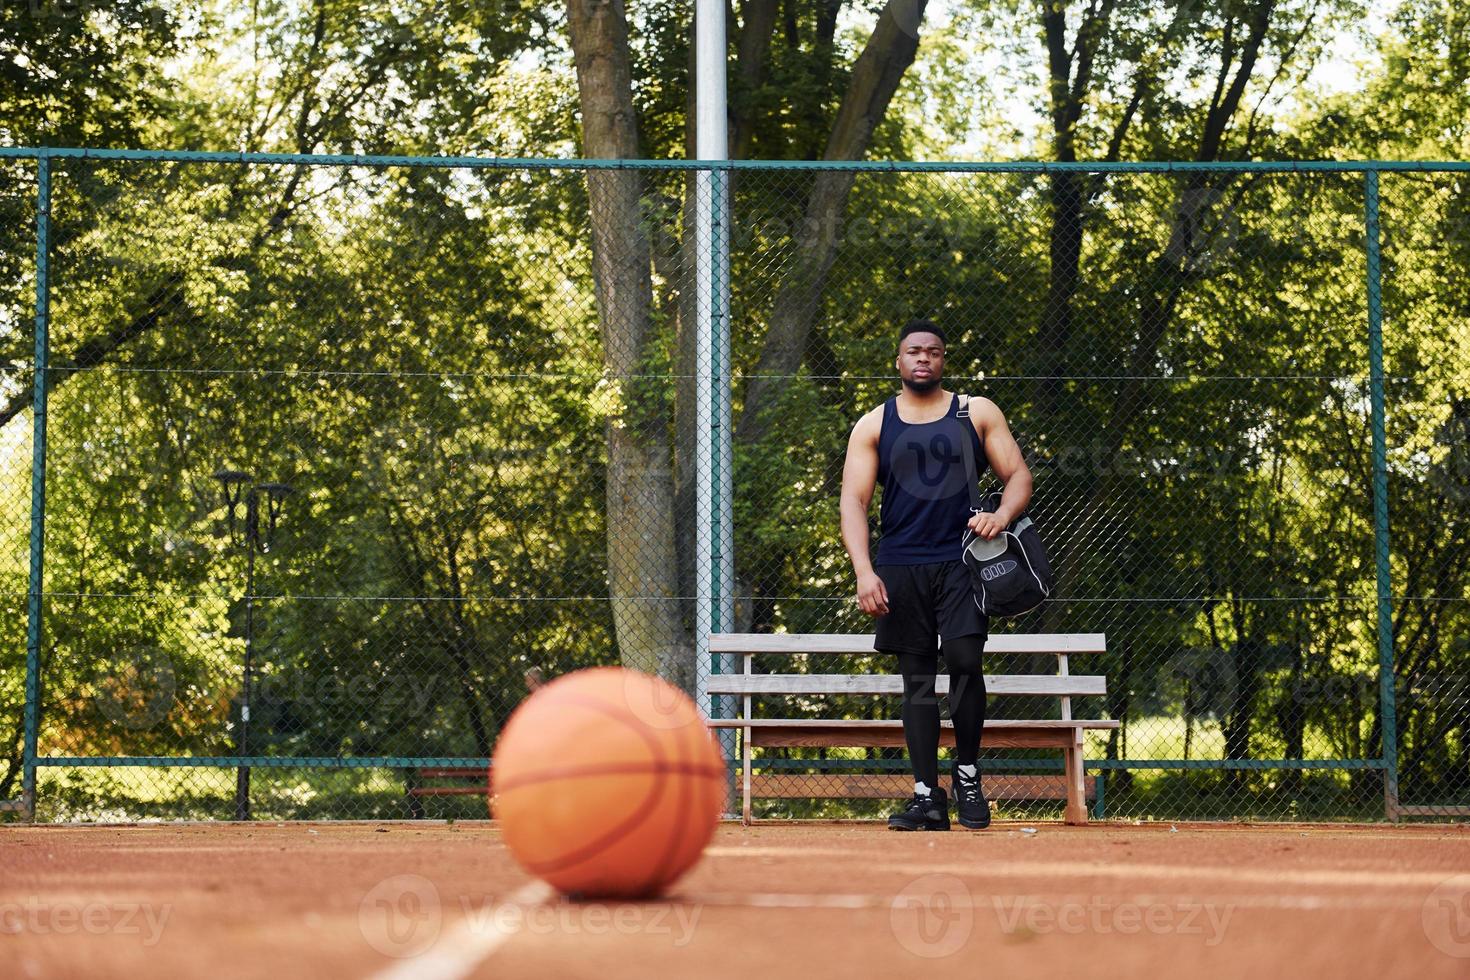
415,392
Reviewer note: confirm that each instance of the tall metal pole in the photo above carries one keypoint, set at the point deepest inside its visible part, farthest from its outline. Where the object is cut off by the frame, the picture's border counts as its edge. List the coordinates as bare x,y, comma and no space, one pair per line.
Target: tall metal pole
39,394
712,420
715,551
1388,722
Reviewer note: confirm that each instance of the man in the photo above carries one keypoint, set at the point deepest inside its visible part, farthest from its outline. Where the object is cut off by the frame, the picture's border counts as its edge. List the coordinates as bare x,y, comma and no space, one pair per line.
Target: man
916,585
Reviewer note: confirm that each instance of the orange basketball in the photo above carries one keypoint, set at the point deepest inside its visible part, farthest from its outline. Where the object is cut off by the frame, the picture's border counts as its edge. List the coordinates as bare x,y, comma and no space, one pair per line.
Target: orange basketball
607,783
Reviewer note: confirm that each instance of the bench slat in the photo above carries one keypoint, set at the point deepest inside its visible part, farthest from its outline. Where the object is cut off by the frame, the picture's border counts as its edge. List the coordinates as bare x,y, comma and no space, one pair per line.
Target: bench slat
482,790
998,786
880,724
836,737
453,772
1040,684
751,643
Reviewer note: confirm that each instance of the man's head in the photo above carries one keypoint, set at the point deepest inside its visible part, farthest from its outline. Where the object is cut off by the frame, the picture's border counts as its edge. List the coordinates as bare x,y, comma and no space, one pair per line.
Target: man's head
920,359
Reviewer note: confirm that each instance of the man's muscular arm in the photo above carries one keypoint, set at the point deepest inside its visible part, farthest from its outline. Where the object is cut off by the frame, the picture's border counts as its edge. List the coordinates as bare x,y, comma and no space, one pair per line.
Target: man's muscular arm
859,477
1005,459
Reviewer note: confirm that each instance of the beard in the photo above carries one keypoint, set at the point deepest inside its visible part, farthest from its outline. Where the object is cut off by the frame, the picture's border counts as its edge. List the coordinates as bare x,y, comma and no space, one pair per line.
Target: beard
921,387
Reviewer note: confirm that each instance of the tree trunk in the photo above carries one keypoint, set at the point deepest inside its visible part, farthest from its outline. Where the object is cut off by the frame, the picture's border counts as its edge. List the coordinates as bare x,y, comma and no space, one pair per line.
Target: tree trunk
1237,733
453,635
12,758
170,299
1169,274
1293,717
641,557
875,78
753,53
1070,84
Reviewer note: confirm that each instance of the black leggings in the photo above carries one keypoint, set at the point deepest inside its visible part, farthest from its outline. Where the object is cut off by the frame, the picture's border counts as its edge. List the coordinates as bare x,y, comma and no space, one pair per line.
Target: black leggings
921,705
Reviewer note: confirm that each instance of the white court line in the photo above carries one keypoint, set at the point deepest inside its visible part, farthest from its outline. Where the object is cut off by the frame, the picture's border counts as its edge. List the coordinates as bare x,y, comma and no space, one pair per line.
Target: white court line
1308,903
460,950
981,867
1283,877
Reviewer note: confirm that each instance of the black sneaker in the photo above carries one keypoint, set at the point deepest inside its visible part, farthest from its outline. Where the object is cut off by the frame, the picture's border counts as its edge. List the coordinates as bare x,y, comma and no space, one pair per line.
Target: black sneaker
923,813
974,810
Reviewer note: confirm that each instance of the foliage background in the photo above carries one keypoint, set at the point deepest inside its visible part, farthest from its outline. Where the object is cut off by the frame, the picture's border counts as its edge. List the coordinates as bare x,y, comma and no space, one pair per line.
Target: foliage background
426,356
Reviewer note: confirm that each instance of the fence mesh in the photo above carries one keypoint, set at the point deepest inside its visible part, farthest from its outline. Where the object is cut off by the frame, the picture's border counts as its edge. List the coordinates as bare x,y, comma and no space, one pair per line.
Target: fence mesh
1426,258
17,362
479,385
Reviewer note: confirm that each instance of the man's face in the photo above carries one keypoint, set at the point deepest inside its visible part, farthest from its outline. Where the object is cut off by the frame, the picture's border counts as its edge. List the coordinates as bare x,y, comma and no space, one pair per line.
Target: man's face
921,361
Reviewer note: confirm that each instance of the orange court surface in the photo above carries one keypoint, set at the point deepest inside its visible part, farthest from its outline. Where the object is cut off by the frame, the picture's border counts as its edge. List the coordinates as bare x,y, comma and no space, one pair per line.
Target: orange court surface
814,899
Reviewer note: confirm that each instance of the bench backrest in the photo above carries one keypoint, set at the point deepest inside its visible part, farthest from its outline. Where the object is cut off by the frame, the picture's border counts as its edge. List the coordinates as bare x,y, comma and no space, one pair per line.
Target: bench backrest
754,643
1063,684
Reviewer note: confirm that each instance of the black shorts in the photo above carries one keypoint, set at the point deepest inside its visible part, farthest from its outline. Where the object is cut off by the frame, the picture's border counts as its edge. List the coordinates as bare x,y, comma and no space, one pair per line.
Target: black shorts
925,601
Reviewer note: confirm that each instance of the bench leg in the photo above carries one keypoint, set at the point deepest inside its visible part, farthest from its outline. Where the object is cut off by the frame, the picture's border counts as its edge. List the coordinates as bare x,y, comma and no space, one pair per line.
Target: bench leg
745,777
1076,796
411,784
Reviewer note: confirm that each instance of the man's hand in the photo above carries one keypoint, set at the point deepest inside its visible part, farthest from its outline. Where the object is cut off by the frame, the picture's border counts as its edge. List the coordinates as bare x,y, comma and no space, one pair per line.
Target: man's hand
872,596
987,526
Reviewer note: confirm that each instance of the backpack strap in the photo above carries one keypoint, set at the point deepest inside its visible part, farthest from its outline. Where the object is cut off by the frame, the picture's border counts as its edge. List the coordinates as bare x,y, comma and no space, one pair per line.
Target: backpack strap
972,475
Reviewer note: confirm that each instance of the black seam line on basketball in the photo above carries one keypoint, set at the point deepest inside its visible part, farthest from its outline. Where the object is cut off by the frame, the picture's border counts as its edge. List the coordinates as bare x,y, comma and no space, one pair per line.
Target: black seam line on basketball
603,769
593,848
681,825
633,723
616,833
670,846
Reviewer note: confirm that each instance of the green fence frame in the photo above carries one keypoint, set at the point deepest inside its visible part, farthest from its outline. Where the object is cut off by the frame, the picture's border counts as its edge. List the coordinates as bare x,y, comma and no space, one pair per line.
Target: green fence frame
1370,170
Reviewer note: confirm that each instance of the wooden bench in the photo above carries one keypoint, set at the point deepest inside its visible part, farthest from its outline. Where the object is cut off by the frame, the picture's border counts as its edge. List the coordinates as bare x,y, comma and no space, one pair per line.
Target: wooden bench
463,781
1064,732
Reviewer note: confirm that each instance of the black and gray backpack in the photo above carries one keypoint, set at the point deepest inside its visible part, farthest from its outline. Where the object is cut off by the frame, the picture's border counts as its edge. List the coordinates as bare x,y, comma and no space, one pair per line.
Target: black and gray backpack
1010,573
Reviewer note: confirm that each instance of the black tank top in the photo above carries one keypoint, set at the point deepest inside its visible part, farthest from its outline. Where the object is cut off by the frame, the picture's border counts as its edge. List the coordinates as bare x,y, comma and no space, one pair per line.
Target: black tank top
926,502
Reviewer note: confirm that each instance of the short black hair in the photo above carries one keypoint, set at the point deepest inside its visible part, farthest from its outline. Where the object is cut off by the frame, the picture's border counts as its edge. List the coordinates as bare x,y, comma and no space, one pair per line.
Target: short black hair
921,325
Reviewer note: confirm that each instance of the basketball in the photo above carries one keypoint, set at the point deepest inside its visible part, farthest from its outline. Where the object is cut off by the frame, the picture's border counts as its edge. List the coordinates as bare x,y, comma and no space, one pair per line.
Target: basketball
607,784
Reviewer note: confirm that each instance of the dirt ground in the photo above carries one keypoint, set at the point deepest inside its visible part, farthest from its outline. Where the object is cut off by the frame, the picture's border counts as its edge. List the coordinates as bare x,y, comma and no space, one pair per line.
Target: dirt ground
791,899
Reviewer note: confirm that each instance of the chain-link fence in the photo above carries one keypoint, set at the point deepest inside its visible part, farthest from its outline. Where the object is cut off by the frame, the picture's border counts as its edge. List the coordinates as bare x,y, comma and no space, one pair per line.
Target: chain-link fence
341,456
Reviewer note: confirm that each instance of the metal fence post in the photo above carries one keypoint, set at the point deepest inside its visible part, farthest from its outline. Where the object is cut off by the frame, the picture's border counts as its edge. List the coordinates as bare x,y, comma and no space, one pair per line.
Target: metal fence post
707,453
721,568
1386,687
38,488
